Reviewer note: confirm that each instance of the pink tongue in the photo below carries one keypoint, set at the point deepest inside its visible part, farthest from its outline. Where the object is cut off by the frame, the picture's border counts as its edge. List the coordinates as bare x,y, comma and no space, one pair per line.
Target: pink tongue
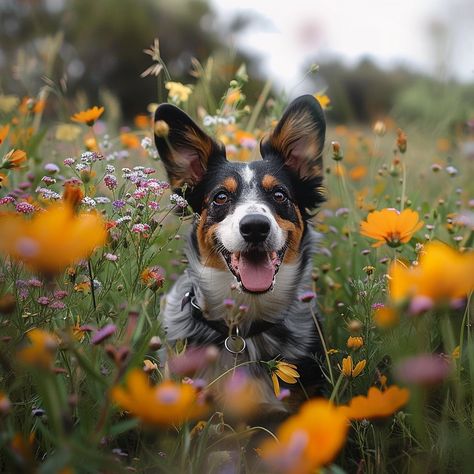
256,276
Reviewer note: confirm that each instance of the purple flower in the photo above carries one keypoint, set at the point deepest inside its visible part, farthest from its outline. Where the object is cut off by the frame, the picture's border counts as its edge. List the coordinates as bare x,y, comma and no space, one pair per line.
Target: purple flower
420,304
48,180
57,305
51,168
307,296
111,257
423,369
140,228
43,300
25,207
119,204
229,303
153,205
34,282
6,200
60,294
110,181
103,334
69,161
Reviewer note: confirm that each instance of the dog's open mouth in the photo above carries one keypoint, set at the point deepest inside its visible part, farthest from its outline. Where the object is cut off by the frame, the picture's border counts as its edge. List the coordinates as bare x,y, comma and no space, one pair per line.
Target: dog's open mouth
255,269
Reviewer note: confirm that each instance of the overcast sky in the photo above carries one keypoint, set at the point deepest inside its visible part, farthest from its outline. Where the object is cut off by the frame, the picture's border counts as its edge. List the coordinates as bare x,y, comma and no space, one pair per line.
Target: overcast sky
287,34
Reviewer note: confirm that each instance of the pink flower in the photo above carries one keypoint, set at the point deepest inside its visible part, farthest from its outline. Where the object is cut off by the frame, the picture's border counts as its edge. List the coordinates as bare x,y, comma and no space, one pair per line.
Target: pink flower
423,369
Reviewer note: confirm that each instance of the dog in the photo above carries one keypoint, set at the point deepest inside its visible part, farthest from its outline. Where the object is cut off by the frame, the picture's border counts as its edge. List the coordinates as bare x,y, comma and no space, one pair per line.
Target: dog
252,242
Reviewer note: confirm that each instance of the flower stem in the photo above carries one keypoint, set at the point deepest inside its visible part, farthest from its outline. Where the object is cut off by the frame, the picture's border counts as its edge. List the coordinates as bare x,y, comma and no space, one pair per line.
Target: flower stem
89,266
323,342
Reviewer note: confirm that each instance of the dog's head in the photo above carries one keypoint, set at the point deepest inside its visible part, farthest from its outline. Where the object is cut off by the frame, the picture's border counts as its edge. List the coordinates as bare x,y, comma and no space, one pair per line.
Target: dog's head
253,215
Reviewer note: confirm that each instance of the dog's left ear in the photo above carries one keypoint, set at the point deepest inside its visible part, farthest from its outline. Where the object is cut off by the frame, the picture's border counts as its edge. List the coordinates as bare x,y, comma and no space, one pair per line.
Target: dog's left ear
298,141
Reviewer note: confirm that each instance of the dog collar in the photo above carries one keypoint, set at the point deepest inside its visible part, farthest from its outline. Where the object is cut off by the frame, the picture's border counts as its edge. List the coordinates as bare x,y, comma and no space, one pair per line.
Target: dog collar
233,341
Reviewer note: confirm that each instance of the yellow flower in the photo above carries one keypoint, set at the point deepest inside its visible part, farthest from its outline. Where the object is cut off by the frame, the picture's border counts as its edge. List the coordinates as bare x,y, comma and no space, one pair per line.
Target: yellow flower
377,403
355,342
89,116
168,403
8,103
178,92
308,440
349,370
285,371
14,159
52,239
442,275
323,100
42,349
456,352
67,132
391,227
4,129
233,96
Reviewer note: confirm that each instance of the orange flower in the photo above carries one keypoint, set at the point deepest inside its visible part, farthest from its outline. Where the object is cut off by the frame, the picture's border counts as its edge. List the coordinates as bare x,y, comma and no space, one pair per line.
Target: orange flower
442,275
52,239
308,440
143,121
385,317
355,342
14,159
358,172
285,371
42,349
72,193
89,116
349,370
168,403
391,227
129,140
377,403
4,129
29,104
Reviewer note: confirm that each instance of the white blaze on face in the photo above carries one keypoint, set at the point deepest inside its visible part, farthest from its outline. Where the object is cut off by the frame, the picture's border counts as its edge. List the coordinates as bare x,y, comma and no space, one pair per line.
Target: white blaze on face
228,230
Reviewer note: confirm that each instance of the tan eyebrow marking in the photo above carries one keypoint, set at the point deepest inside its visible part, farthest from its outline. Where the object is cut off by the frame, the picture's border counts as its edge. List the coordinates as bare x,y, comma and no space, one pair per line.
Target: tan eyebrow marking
269,182
230,184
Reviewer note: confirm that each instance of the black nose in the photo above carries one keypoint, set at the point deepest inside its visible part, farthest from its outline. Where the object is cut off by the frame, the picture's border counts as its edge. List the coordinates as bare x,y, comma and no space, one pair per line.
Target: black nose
254,228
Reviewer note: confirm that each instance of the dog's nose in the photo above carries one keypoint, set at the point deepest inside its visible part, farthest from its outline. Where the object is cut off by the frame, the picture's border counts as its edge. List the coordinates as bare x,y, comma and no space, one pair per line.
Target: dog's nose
254,228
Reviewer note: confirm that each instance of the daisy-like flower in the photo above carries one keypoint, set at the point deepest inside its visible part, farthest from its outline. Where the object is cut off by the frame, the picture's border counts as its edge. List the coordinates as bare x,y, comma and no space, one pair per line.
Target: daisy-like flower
377,403
89,116
443,275
4,129
391,227
284,371
14,159
52,239
166,404
349,370
308,440
41,351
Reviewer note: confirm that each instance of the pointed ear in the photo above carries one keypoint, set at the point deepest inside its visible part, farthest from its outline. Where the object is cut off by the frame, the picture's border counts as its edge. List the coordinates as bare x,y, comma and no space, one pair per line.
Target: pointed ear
186,151
298,138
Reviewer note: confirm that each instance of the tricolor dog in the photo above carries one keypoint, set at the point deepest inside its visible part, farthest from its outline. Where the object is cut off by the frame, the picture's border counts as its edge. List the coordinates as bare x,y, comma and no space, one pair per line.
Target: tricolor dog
251,243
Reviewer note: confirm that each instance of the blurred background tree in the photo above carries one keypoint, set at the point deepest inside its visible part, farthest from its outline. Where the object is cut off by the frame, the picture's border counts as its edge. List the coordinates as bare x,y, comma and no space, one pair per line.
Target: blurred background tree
102,46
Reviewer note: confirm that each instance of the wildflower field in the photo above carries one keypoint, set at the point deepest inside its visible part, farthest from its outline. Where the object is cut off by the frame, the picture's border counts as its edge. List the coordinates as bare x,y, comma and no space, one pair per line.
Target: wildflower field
91,237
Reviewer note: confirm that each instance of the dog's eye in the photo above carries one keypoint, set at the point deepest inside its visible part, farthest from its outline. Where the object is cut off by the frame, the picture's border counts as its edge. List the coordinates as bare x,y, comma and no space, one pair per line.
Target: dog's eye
280,196
221,198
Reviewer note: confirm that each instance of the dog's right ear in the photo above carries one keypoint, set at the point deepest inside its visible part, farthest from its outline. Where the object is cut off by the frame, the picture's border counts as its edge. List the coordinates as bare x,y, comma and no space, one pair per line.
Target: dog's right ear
185,149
